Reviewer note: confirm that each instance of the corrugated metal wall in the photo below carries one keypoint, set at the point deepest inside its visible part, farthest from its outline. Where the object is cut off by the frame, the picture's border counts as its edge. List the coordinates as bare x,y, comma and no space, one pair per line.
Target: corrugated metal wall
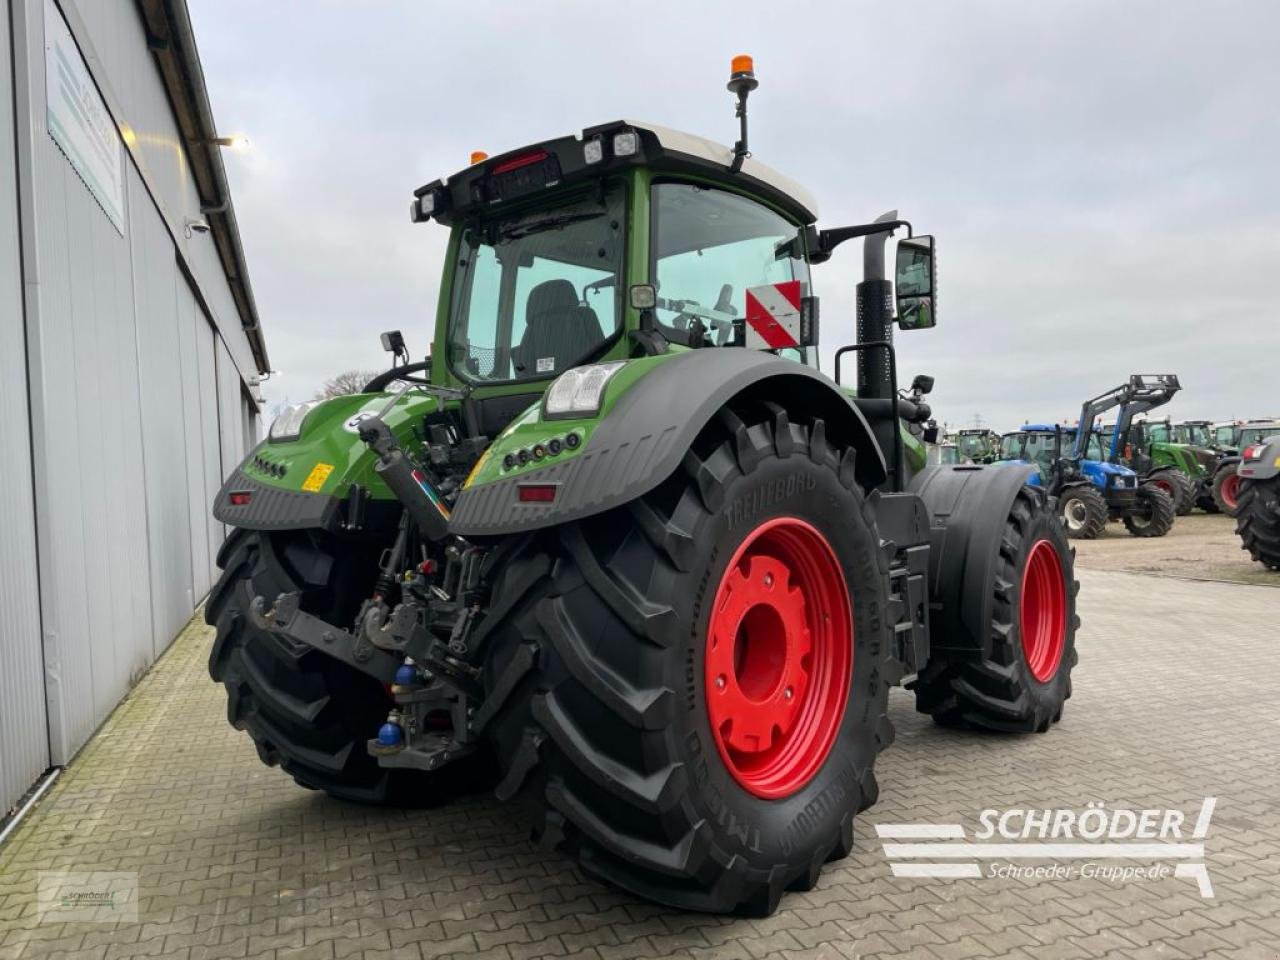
137,401
24,745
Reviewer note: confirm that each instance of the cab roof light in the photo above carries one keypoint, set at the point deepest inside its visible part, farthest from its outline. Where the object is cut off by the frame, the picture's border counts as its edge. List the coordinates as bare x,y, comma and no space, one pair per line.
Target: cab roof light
478,156
515,163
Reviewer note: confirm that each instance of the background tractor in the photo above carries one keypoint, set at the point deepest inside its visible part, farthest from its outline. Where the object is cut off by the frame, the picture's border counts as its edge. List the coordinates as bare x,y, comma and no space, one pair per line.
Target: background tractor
978,445
1125,442
619,536
1159,442
1227,478
1258,509
1087,489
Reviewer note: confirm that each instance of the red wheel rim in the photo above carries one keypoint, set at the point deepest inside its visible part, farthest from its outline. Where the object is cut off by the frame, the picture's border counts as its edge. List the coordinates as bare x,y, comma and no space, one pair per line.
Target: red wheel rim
1166,486
779,657
1043,611
1230,490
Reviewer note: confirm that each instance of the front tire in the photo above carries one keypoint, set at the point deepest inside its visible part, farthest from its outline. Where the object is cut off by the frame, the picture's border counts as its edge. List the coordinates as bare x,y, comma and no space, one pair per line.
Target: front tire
1258,520
687,748
1226,489
1083,511
1021,680
1153,513
1178,486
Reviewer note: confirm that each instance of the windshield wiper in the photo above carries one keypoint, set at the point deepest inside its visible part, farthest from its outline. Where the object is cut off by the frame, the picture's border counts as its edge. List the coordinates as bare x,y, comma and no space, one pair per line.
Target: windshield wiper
518,230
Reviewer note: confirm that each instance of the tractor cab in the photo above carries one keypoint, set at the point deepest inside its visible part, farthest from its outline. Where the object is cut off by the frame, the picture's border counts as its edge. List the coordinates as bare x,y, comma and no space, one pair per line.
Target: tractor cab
629,240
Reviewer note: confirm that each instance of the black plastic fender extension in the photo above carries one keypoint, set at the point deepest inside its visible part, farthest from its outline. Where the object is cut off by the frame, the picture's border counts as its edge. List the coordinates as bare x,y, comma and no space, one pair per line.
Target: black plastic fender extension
645,436
968,506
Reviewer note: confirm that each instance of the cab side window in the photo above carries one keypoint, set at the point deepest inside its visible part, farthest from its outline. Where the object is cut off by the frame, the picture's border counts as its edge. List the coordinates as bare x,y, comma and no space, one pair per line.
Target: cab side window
709,248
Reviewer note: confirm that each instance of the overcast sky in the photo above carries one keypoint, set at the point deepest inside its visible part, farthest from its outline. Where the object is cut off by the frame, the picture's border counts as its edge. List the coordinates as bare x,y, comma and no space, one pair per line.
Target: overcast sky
1102,177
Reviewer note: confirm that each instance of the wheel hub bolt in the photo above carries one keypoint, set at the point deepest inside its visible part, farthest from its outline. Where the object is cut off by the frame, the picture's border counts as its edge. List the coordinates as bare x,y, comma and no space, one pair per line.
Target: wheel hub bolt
768,579
720,681
787,694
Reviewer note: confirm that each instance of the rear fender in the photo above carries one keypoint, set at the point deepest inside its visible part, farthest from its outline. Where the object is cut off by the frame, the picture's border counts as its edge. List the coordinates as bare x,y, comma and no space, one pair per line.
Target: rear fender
643,435
968,506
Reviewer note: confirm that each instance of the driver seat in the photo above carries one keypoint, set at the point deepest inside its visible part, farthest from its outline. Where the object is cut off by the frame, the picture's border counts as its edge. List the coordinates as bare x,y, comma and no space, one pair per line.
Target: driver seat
558,331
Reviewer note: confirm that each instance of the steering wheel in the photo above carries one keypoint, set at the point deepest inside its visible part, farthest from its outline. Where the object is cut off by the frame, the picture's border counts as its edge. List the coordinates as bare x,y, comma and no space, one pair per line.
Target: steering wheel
379,383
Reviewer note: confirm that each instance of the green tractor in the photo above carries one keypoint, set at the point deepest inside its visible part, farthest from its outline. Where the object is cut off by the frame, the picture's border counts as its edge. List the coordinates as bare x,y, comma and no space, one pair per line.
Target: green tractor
1167,445
620,542
978,445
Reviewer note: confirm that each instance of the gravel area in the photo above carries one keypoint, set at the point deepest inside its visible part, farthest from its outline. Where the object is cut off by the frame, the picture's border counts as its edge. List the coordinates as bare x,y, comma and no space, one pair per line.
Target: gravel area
1200,547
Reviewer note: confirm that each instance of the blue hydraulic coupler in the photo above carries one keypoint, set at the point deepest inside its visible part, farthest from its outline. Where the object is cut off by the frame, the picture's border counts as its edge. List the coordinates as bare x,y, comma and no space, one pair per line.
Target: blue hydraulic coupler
390,734
406,675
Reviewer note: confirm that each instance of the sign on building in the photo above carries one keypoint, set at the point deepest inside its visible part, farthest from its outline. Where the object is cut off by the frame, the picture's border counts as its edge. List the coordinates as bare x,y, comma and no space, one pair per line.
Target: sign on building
78,119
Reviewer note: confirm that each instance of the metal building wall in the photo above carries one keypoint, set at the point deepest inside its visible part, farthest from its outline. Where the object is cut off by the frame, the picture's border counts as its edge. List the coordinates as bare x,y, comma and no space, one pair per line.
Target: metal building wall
134,349
24,743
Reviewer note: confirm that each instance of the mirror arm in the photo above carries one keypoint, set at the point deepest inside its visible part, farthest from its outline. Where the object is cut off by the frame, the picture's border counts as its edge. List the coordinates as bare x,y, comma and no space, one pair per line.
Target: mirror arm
822,243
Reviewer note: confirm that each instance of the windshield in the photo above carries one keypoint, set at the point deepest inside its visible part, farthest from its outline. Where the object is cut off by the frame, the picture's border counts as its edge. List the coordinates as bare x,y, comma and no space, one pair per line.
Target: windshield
1226,436
711,249
1159,432
1036,447
538,293
1194,433
974,445
1250,435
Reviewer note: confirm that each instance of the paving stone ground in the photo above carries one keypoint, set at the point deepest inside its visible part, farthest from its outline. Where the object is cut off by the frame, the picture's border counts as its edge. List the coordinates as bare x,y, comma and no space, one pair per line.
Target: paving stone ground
234,860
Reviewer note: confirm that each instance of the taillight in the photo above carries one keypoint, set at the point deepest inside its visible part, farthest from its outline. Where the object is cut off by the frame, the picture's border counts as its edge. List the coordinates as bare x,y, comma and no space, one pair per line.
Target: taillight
1254,452
240,498
536,492
515,163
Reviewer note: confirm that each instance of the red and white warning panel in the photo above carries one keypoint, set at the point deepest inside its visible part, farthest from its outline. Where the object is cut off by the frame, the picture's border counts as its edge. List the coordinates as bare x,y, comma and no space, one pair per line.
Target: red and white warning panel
773,316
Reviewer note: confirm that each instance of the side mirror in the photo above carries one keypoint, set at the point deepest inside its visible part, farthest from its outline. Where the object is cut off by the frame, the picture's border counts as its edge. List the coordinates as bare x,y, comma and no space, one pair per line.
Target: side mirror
915,284
922,384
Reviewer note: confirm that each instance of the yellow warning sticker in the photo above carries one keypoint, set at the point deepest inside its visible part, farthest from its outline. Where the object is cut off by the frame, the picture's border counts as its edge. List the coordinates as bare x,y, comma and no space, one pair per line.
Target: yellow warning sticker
316,478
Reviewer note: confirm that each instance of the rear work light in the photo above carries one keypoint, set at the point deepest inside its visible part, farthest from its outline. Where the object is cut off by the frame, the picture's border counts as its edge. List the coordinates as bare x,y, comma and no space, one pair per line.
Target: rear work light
536,492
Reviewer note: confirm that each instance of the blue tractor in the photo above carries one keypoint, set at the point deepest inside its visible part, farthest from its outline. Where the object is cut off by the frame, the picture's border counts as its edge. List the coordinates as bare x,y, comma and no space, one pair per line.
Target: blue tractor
1070,464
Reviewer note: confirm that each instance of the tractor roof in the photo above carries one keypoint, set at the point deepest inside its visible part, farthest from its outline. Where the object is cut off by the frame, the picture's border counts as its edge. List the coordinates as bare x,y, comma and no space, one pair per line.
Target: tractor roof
520,174
1043,428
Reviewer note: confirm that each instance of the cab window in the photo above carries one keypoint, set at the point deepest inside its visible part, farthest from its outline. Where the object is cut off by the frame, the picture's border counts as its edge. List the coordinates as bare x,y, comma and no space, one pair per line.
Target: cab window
537,293
709,248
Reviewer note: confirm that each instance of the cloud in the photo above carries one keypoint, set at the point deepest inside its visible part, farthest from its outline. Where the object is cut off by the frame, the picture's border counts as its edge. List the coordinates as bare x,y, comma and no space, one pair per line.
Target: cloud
1100,177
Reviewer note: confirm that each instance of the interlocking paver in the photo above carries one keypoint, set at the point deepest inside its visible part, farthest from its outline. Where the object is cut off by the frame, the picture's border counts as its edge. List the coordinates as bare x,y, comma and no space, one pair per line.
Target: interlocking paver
235,861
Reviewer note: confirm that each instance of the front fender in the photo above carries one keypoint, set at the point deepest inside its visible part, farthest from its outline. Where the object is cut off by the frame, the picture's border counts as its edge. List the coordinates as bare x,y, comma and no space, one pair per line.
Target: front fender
643,435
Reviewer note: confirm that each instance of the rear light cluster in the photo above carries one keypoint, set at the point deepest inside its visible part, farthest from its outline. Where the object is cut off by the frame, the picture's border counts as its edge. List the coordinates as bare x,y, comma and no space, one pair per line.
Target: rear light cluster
540,451
1254,452
537,492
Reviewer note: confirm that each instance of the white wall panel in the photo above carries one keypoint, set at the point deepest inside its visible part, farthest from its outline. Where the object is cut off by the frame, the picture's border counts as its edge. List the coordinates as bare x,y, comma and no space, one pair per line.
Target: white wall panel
24,736
136,400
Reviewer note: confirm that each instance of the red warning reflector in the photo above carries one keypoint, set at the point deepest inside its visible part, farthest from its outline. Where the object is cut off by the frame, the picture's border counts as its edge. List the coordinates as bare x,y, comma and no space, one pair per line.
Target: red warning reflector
773,316
536,492
240,498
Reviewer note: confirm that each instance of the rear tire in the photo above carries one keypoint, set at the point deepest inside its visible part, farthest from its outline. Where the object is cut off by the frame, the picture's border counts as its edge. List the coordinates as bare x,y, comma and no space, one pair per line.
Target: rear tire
1153,512
1020,683
638,773
1177,485
1083,511
308,713
1258,520
1226,489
